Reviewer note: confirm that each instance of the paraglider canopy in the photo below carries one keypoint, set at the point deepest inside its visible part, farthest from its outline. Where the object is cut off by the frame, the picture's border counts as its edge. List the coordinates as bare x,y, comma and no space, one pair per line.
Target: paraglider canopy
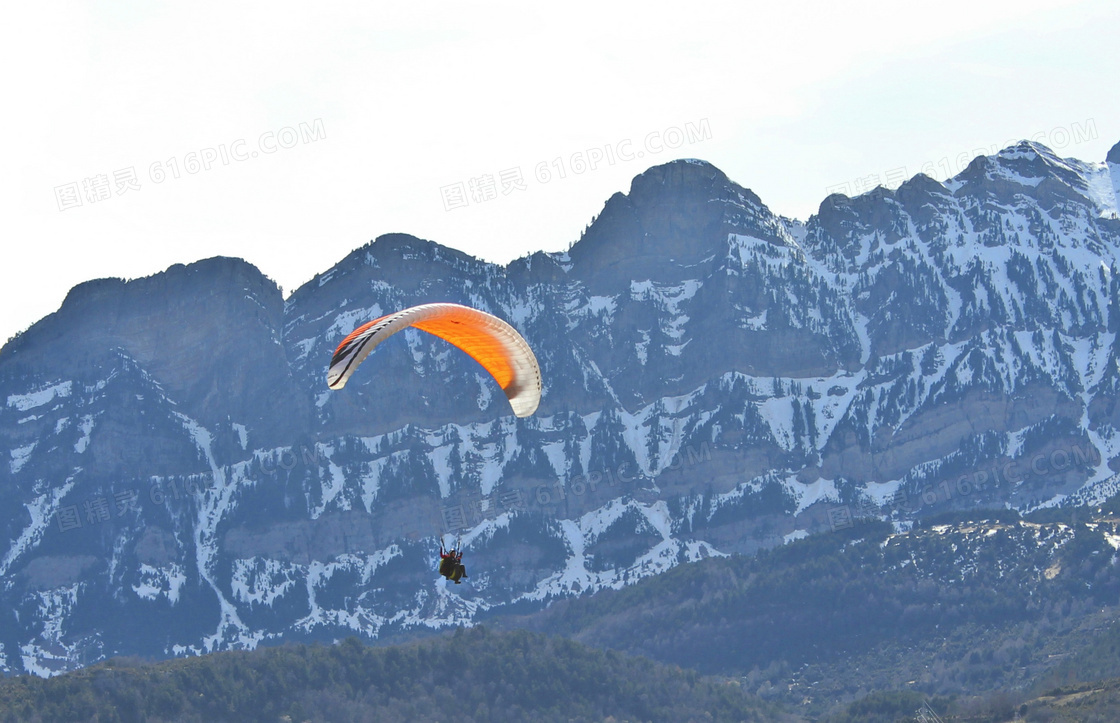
491,342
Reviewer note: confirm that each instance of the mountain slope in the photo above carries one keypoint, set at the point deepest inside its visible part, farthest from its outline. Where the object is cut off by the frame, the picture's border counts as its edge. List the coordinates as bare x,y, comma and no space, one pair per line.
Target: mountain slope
964,608
718,379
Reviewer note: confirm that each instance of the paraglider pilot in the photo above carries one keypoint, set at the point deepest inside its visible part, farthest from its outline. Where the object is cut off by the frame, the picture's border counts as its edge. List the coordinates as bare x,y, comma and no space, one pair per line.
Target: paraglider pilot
451,564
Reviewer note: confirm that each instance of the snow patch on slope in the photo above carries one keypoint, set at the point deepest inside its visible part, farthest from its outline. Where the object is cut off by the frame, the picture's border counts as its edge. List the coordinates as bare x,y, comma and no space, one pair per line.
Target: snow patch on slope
160,582
31,400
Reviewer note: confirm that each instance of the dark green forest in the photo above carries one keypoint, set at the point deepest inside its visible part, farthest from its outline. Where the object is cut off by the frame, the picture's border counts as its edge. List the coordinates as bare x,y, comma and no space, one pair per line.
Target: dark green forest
471,675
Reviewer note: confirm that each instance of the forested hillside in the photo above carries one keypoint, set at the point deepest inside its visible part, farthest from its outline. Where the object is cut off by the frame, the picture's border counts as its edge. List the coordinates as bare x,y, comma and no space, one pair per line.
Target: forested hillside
472,675
970,605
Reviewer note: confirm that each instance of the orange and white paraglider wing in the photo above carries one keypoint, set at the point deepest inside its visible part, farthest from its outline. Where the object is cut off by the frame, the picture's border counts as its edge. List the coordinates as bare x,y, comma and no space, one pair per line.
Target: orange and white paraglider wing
487,339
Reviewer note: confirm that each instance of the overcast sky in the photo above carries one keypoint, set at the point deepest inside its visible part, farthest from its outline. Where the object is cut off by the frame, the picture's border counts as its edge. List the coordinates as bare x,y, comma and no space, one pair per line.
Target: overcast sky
137,134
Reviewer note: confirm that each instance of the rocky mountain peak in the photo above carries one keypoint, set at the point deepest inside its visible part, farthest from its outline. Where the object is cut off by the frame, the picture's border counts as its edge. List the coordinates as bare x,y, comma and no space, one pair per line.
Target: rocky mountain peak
126,310
1026,169
181,325
841,226
390,258
675,214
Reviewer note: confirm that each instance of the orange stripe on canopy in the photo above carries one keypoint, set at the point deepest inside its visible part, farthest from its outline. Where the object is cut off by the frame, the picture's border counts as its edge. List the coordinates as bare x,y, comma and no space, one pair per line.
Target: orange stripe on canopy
453,327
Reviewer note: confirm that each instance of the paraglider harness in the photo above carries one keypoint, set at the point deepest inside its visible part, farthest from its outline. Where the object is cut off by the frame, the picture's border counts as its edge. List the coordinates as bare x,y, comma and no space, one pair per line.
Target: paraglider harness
451,561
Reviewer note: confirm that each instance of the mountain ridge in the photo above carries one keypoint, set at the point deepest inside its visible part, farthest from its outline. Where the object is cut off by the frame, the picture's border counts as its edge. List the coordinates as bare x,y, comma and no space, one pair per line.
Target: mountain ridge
718,380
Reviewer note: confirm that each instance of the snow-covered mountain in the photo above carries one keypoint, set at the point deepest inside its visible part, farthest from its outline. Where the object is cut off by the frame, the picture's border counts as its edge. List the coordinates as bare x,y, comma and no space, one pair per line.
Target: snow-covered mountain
179,479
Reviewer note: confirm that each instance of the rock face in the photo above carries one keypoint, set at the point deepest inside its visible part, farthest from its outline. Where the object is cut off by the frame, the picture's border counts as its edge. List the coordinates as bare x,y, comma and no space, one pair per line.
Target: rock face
179,479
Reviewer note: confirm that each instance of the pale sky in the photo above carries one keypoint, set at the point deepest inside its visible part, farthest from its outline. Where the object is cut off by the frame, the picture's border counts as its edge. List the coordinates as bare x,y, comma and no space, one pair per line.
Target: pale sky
290,134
